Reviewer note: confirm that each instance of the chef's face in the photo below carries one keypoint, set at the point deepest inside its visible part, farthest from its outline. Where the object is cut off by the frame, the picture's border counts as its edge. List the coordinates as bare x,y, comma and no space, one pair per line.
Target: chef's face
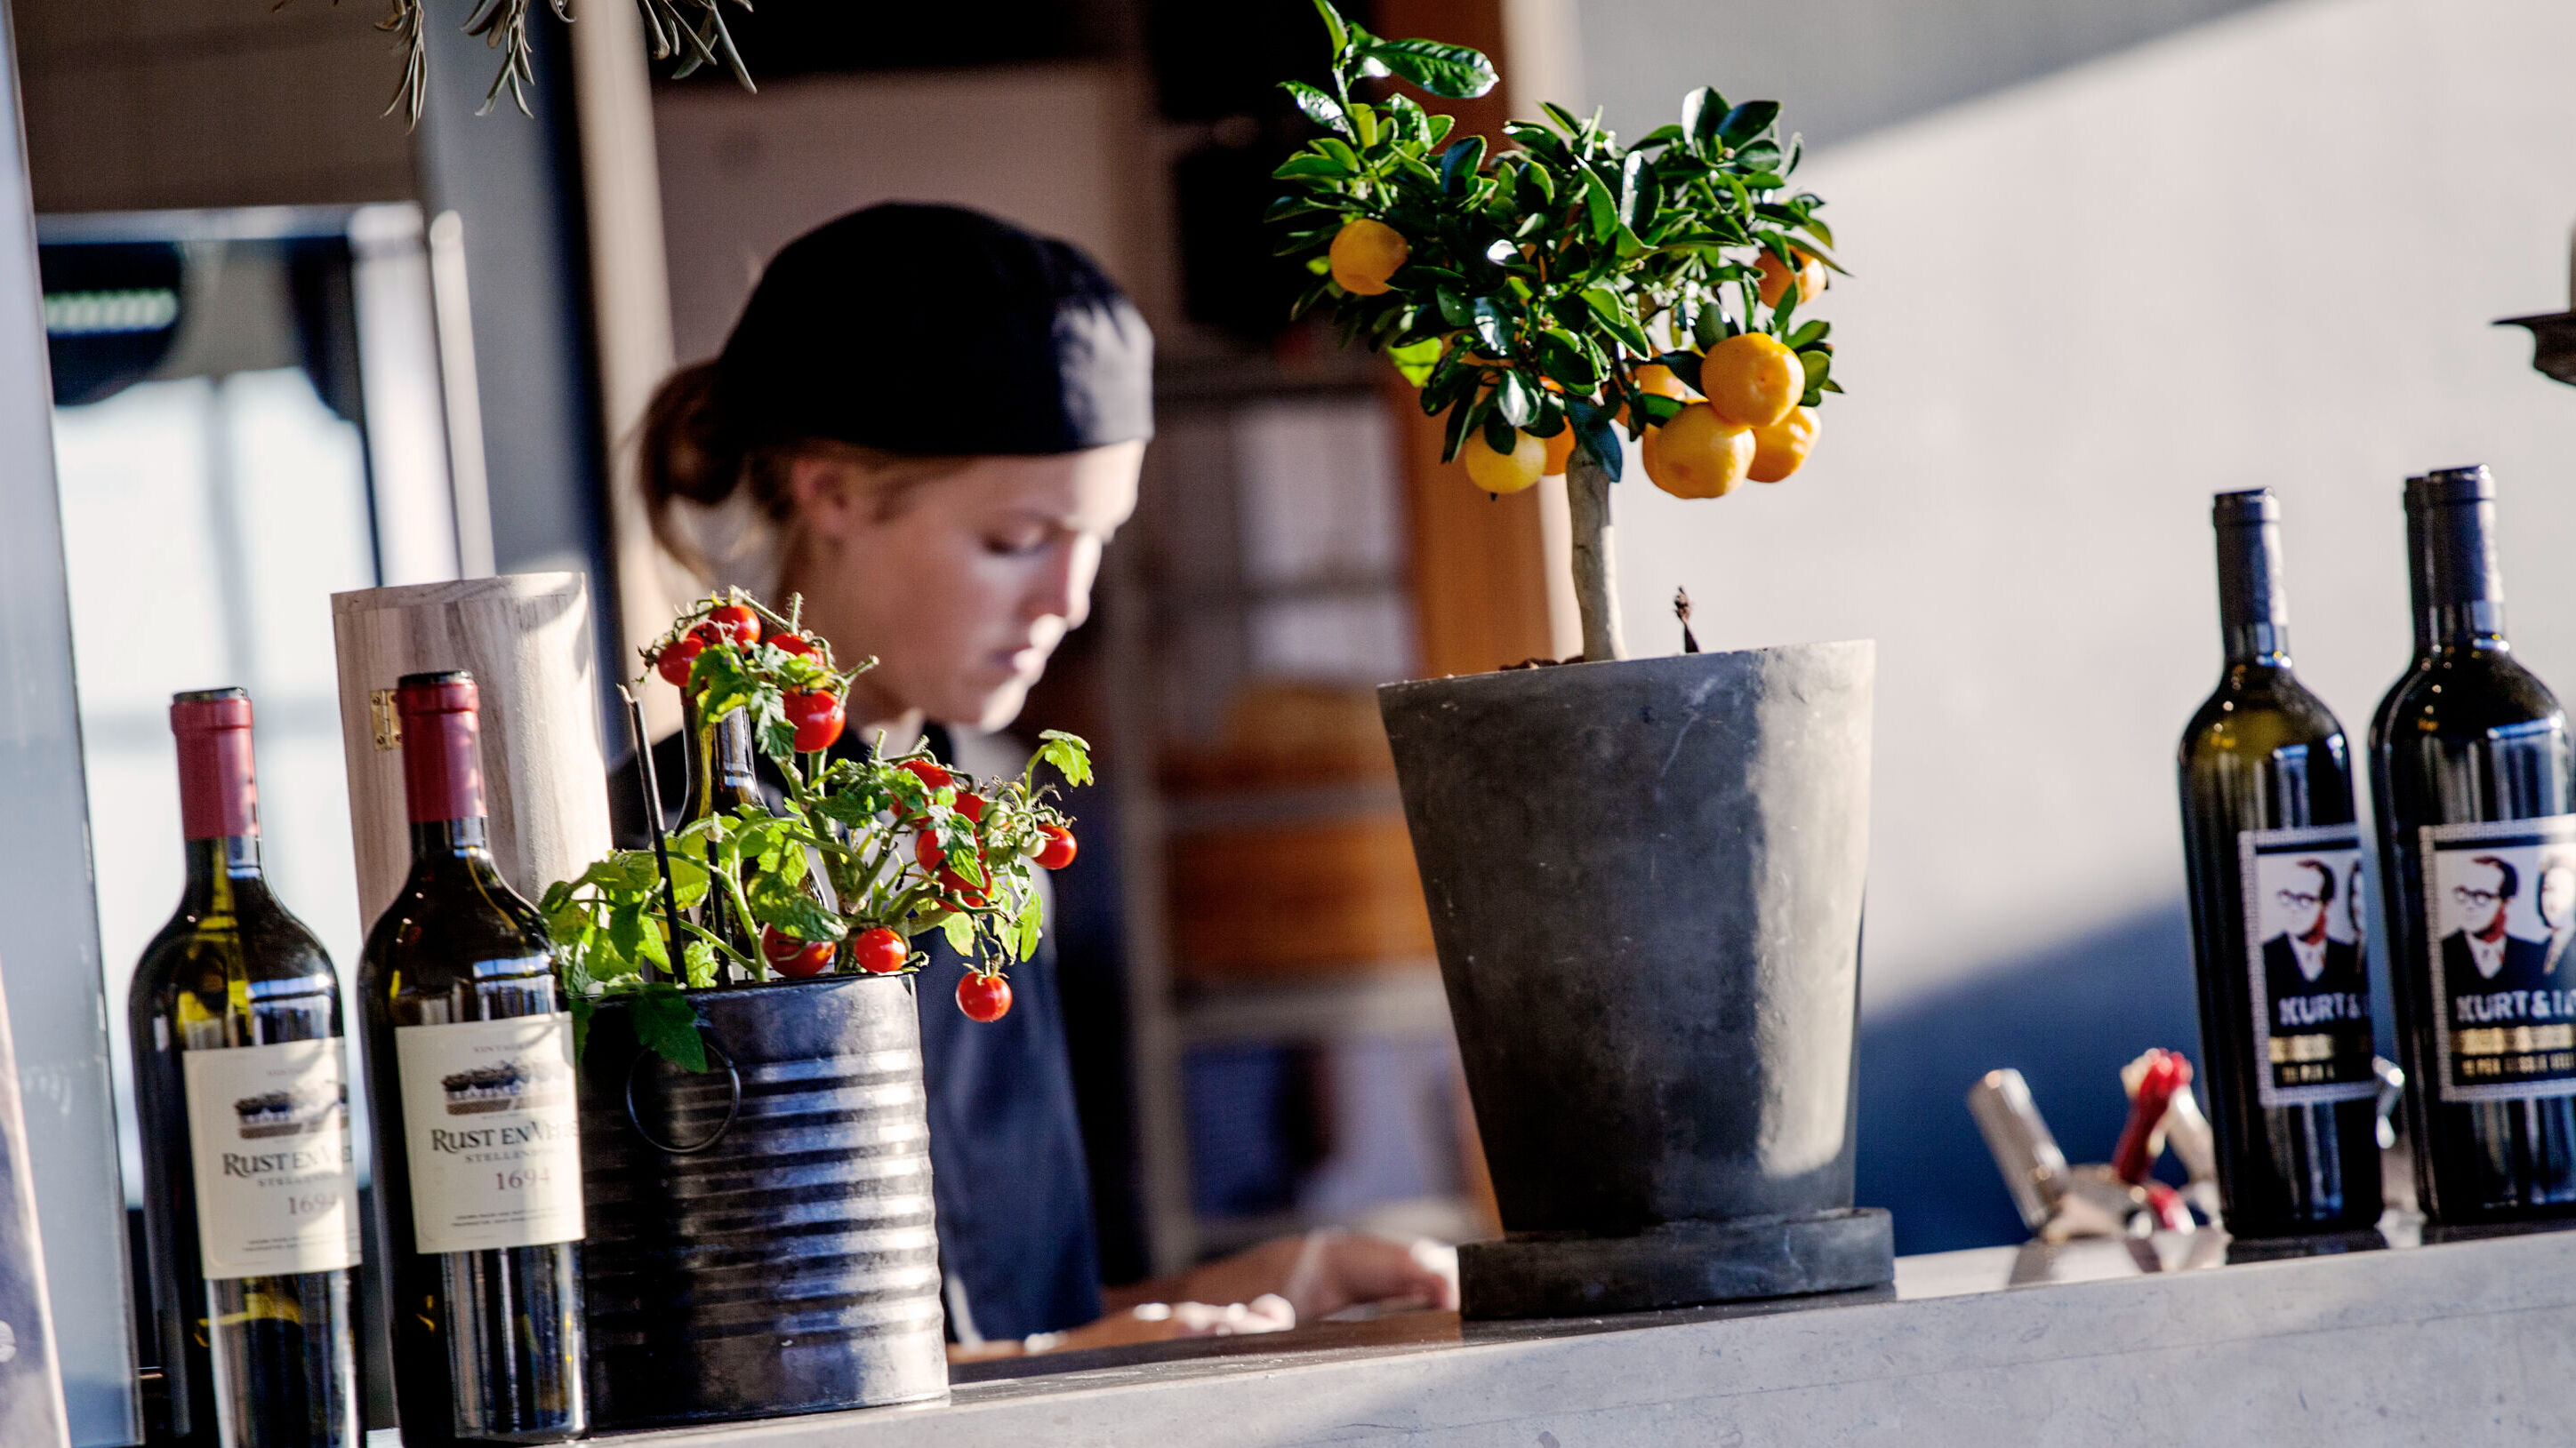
961,585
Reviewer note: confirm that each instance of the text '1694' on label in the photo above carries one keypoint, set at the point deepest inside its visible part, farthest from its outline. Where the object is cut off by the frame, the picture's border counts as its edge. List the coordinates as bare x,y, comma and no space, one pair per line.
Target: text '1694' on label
494,1137
268,1134
2306,917
2500,913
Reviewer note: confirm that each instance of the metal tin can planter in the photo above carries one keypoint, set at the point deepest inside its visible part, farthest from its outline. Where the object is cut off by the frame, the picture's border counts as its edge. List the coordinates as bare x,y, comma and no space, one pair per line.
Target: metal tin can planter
762,1240
1645,882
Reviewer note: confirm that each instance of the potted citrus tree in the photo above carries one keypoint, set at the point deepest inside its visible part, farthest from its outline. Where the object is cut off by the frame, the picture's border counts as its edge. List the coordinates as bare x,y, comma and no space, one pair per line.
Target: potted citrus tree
755,1155
1645,875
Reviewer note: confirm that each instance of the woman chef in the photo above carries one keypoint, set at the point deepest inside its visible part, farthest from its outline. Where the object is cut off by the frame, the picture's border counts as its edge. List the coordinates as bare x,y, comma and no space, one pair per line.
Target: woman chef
928,423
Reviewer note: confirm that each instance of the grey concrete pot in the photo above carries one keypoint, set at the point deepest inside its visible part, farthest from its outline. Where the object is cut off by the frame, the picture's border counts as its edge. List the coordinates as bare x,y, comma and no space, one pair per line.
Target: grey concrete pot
1645,882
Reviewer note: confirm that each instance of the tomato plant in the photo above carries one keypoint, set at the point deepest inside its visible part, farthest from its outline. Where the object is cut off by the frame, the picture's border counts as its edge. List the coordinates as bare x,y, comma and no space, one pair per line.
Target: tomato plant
831,863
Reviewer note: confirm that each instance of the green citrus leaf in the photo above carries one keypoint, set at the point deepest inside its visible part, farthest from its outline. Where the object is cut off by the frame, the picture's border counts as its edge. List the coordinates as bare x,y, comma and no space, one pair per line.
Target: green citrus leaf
1453,71
1592,432
1602,206
1703,111
1305,163
1415,359
1320,108
1460,163
1747,121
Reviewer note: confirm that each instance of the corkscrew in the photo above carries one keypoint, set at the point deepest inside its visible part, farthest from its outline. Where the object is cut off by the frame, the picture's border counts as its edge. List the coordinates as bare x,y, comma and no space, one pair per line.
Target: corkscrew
2058,1202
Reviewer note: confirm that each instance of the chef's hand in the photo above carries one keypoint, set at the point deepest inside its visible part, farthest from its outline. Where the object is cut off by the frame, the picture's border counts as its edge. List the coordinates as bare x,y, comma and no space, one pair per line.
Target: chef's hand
1319,1274
1145,1322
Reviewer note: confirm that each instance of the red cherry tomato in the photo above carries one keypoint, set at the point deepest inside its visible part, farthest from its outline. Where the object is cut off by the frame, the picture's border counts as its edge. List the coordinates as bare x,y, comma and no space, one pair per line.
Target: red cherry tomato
880,951
925,849
736,623
931,777
791,643
1055,848
817,717
970,896
971,806
674,661
792,957
982,997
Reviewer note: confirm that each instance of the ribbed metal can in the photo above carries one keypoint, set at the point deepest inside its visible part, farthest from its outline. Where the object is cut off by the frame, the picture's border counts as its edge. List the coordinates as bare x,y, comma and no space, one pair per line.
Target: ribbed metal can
761,1235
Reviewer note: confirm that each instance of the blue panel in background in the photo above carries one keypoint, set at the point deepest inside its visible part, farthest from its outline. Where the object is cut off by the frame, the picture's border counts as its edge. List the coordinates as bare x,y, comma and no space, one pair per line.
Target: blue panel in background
2067,1018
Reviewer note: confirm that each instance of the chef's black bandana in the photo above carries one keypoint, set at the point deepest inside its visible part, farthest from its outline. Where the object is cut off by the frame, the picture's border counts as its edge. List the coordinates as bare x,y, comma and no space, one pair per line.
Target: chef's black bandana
934,330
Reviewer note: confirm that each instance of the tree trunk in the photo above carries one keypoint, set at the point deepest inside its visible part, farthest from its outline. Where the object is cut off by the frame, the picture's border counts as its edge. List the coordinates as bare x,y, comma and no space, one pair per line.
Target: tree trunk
1596,570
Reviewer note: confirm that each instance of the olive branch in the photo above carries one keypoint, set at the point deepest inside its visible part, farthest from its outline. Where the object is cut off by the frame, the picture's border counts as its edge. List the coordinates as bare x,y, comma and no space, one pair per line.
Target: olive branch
1527,292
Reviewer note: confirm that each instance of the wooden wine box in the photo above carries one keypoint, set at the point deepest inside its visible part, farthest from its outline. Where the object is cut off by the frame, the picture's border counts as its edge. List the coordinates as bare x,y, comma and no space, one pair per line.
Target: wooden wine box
526,637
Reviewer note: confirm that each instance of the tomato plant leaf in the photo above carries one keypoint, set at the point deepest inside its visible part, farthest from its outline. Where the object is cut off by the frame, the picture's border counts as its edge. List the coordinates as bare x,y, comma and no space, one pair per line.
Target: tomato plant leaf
667,1024
1026,929
699,959
1068,754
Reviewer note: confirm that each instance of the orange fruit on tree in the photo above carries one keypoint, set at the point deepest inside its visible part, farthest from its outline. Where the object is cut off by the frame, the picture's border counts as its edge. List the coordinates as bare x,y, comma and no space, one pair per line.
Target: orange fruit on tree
1560,451
1504,472
1699,454
1780,448
1658,379
1775,278
1365,253
1752,379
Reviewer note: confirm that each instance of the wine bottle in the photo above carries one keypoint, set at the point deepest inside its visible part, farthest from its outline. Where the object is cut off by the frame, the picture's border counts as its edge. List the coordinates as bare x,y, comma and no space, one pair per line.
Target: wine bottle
2383,717
250,1202
722,777
2481,873
2278,914
478,1157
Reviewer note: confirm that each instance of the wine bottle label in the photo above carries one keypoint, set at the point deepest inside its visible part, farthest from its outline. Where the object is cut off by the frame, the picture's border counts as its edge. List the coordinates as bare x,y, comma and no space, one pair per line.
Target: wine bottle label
2500,912
2307,963
494,1134
268,1128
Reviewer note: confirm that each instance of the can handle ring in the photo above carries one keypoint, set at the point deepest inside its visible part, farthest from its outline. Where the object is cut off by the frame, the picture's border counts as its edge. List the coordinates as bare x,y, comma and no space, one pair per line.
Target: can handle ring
733,1106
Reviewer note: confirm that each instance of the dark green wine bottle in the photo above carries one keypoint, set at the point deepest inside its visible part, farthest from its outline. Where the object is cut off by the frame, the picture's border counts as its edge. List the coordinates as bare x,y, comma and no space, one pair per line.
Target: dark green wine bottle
478,1146
2480,815
250,1204
2279,915
723,777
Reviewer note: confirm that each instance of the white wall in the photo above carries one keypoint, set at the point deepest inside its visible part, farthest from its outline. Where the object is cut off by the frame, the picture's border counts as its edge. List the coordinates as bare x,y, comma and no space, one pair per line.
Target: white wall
2263,251
1049,147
